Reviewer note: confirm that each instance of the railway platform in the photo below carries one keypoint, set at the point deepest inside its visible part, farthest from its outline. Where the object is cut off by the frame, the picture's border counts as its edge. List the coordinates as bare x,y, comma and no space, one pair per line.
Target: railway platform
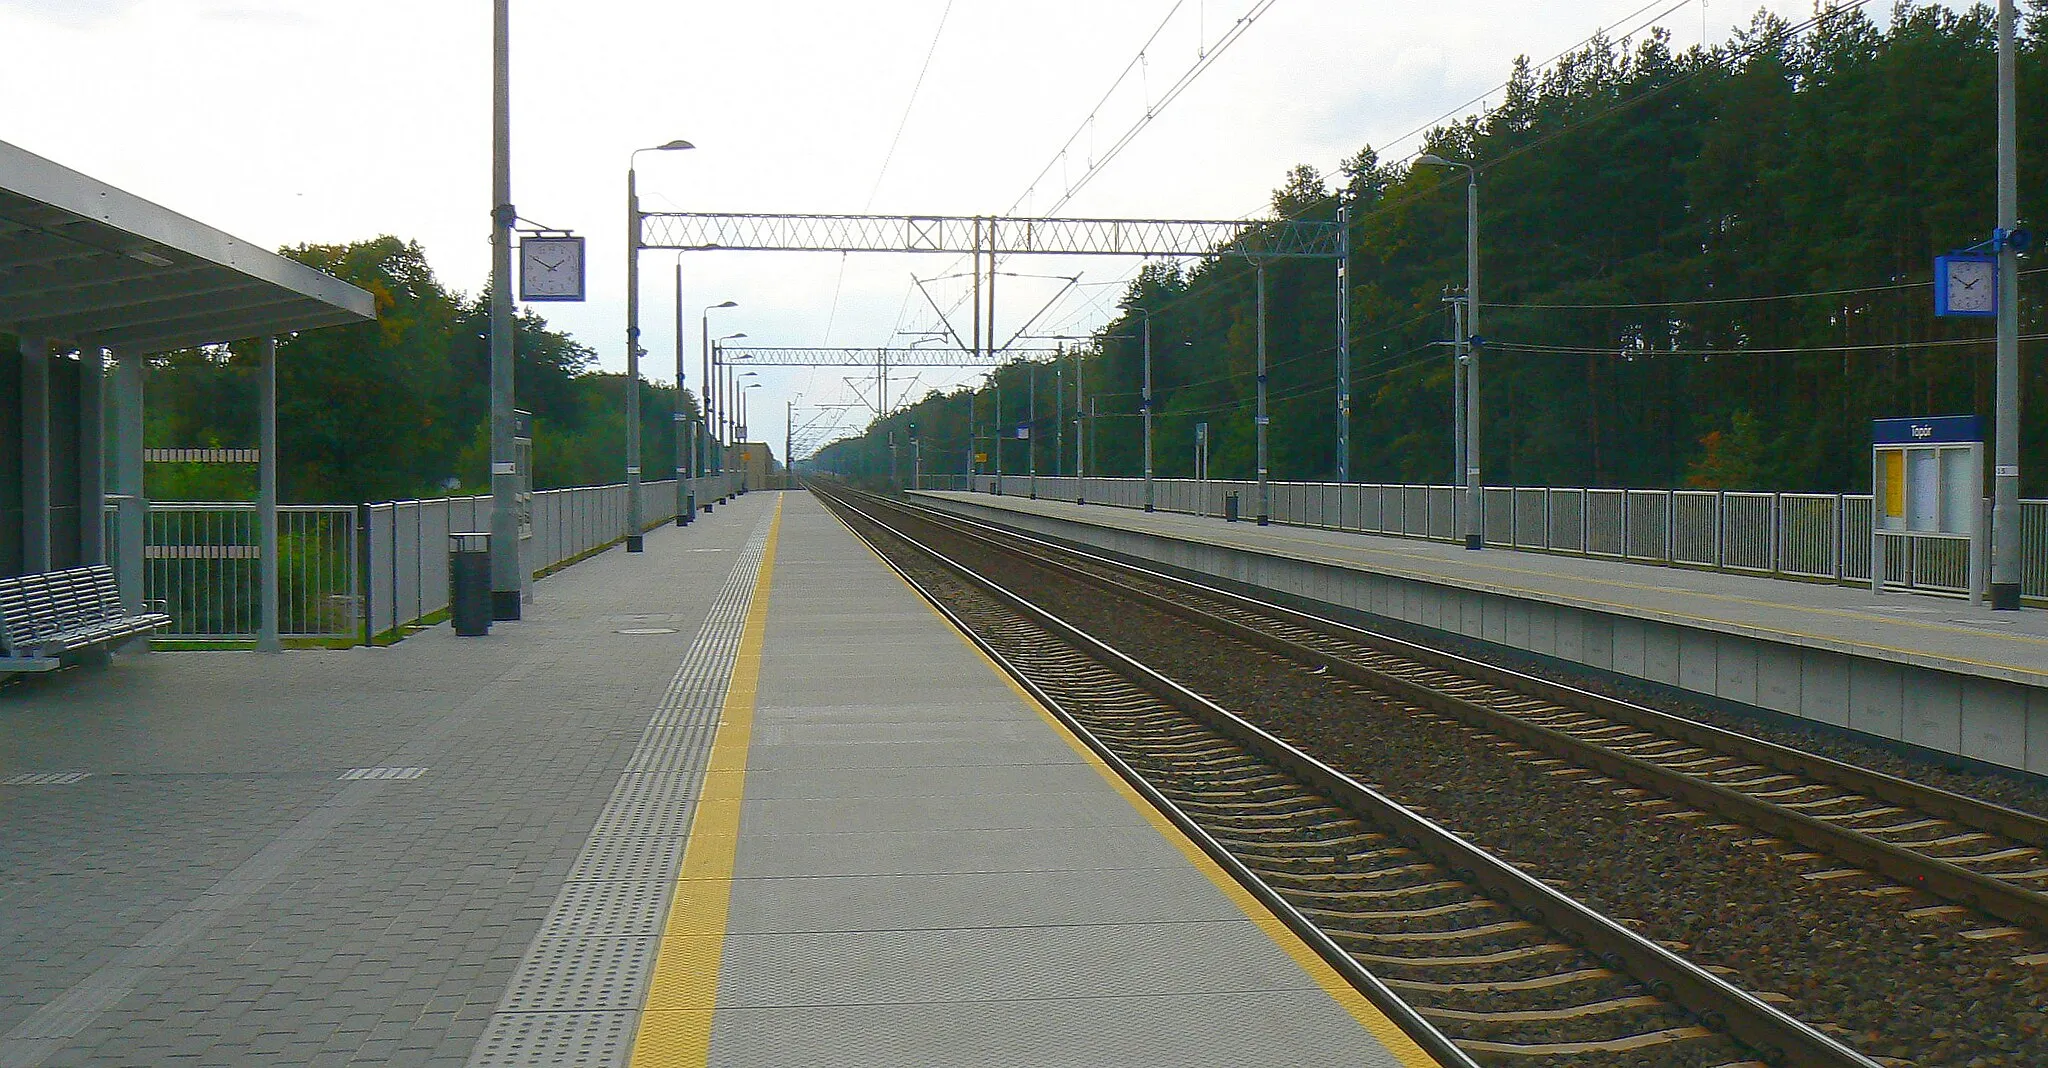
1927,673
741,800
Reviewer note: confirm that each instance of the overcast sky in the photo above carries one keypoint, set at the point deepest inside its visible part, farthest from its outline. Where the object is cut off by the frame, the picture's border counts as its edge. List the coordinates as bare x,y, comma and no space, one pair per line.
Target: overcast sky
289,121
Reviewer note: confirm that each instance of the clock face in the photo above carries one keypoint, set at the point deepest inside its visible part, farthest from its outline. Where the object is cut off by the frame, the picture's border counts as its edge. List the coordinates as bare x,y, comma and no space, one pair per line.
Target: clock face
551,268
1972,286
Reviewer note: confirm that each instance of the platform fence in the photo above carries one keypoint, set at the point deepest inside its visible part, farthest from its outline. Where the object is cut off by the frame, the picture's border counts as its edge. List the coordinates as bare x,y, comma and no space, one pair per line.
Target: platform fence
204,559
1813,537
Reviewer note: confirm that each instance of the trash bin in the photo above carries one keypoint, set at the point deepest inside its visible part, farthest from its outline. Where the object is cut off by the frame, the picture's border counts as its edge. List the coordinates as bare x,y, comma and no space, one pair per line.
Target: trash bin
689,507
469,583
1230,507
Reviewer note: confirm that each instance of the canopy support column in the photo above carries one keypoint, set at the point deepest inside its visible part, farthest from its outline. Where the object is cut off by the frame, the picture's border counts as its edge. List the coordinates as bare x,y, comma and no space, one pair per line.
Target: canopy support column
266,498
92,469
35,455
133,509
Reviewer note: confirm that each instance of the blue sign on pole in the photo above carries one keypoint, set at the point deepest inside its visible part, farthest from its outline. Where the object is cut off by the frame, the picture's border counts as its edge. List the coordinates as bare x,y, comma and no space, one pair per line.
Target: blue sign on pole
1928,430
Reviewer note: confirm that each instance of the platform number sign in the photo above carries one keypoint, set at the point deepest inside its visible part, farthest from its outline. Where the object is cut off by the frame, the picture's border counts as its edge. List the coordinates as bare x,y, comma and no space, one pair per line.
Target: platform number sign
1966,284
550,268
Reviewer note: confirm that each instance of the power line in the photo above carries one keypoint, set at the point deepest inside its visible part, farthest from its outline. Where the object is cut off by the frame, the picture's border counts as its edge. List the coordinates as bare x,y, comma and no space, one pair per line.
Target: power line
1891,346
908,105
1703,302
839,283
1205,57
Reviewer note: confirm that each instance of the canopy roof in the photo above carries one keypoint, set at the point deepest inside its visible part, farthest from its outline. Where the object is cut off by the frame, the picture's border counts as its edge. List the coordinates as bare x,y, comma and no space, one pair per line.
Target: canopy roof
83,262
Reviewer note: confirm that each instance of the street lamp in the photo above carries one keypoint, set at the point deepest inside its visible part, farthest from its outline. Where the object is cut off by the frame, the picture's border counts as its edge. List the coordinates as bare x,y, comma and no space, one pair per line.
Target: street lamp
740,428
684,499
633,340
789,441
727,402
1473,340
716,415
1146,406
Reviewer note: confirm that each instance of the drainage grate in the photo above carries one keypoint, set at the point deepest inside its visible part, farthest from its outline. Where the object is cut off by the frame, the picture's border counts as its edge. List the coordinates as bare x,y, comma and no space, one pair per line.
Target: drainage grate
46,778
354,774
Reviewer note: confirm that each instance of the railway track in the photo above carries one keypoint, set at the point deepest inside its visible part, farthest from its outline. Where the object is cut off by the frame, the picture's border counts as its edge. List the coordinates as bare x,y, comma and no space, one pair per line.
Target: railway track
1970,853
1499,968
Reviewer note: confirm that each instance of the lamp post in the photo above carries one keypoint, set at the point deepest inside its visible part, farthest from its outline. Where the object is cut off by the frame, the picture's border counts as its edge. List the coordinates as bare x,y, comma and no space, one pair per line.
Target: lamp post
508,578
633,340
740,408
717,418
1474,531
728,411
1146,407
684,499
789,441
2005,445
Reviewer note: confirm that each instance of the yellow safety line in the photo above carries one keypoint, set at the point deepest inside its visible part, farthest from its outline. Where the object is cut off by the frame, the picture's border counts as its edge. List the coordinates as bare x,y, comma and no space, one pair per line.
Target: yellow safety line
675,1023
1383,1030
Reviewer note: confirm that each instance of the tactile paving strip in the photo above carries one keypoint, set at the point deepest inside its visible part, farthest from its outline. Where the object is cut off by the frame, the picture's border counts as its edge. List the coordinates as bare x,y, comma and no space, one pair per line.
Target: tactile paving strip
615,856
580,973
556,1039
612,908
572,1000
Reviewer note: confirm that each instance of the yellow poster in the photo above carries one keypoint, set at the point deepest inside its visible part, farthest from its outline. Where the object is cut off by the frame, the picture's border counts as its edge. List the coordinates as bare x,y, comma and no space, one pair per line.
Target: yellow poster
1892,467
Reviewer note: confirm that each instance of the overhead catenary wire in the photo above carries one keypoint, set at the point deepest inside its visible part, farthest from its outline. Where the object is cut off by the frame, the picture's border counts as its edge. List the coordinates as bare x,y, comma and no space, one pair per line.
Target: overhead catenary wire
1789,350
1711,301
838,284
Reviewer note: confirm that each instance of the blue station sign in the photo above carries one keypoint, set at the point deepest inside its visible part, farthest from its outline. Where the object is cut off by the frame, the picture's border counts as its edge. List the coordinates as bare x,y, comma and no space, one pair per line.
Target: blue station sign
1928,430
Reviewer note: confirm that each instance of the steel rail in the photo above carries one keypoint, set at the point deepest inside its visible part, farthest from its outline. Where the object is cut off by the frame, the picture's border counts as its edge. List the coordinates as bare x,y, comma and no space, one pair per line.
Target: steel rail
1403,1015
1777,1037
1934,875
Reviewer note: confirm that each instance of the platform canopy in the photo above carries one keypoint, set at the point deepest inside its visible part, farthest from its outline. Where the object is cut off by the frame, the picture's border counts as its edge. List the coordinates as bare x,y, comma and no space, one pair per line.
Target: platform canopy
85,263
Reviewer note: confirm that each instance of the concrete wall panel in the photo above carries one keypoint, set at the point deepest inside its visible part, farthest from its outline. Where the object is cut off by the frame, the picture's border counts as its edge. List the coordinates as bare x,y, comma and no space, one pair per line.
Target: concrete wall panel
1876,698
1994,722
1934,711
1735,668
1568,625
2037,732
1517,613
1630,656
1824,686
1493,618
1596,639
1699,657
1661,653
1778,678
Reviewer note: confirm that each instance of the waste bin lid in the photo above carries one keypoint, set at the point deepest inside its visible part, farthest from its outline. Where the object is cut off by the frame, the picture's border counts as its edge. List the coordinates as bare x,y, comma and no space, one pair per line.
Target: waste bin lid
469,542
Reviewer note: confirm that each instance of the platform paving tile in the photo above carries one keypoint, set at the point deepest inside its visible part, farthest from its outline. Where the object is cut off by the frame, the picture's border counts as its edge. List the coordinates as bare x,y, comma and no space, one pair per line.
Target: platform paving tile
928,852
224,899
927,872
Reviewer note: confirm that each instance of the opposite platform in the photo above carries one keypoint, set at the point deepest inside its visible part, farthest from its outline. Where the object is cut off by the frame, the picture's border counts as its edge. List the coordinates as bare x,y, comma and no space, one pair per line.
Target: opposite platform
901,860
1929,672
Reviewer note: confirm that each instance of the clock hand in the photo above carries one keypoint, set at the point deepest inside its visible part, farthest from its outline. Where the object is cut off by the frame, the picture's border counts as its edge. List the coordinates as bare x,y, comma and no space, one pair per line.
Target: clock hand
1971,284
551,266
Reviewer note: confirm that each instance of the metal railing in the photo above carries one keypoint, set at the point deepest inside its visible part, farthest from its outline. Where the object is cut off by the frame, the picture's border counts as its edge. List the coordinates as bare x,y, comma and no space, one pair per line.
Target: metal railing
1823,537
203,559
204,562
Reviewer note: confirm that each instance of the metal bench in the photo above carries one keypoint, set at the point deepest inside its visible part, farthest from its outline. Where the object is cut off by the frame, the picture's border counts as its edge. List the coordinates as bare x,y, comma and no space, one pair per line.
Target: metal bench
48,618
